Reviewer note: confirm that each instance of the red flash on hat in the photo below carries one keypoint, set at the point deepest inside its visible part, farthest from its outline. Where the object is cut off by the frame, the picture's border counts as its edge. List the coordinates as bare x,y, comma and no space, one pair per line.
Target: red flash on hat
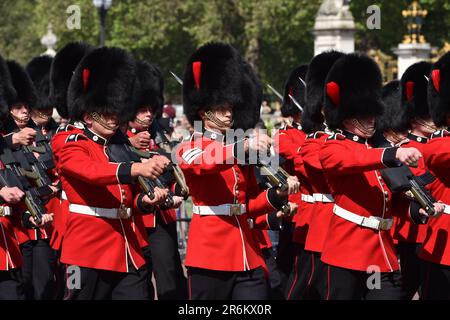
85,78
409,90
334,92
197,71
436,76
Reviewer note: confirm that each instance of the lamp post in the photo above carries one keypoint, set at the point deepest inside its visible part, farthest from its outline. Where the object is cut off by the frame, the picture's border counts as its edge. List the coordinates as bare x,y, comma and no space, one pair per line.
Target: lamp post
102,7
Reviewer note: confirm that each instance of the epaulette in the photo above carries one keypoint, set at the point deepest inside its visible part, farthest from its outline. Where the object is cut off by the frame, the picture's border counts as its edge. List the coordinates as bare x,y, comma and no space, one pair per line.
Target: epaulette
440,134
76,137
63,127
336,136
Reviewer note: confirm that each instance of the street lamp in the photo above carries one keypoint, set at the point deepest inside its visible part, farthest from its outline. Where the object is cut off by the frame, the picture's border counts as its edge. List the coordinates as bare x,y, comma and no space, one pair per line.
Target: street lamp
102,7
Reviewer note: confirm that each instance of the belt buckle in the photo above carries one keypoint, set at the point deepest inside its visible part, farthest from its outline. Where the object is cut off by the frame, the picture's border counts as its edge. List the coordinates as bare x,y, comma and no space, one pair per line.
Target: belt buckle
122,212
2,211
384,225
235,210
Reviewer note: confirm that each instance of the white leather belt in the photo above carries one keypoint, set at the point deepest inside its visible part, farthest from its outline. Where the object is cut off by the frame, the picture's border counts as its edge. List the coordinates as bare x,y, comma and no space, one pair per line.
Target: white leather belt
307,198
113,213
5,211
63,195
446,209
376,223
227,209
323,197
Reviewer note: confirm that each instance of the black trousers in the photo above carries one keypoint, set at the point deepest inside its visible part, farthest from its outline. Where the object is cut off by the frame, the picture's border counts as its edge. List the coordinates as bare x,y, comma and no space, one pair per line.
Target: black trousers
163,258
276,291
411,267
436,282
96,284
301,274
38,270
346,284
207,284
286,251
11,287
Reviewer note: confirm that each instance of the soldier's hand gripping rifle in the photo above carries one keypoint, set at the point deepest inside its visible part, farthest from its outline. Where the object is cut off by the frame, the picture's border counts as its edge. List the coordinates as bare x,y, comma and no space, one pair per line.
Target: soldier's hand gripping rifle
401,179
271,177
159,135
43,148
15,176
119,150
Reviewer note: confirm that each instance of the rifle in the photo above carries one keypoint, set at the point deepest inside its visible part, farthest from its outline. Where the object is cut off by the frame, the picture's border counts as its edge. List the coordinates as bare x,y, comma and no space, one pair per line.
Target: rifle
166,146
15,176
120,150
401,179
44,150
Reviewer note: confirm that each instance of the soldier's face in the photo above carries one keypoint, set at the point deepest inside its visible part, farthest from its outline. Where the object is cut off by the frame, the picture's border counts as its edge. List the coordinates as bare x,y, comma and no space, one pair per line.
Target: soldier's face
362,127
106,127
224,114
21,113
144,118
41,117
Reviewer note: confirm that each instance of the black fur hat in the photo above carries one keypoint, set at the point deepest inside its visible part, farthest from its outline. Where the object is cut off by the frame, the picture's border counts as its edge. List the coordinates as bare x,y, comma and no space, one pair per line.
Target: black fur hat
394,116
414,84
63,67
296,88
26,92
216,74
39,71
353,89
7,91
439,91
105,82
151,87
320,65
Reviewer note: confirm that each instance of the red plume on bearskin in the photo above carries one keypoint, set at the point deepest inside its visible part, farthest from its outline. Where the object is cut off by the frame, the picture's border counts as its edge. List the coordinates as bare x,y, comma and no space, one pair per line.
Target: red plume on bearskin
334,92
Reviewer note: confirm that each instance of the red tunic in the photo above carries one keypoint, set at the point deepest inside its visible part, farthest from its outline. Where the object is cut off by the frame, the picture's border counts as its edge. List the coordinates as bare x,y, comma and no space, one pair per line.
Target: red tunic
351,168
90,179
404,229
214,178
436,245
322,211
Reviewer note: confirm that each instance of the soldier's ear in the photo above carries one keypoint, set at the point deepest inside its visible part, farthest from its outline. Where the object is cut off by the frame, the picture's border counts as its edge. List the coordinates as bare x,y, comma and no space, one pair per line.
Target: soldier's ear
87,118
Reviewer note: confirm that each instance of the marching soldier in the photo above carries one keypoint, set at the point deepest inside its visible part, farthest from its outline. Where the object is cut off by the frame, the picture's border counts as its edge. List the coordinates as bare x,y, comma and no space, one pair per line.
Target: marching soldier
358,241
221,92
307,278
435,249
39,259
161,253
100,244
287,141
410,115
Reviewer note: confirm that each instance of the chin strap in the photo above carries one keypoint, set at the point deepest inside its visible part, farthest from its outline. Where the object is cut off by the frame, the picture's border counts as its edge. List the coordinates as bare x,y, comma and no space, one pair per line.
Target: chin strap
142,122
222,125
99,119
364,130
426,125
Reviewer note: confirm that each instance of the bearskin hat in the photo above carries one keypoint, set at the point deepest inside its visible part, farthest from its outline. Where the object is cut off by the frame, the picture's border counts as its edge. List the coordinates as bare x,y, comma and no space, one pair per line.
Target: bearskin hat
353,89
320,65
394,115
295,87
105,82
439,91
39,71
216,74
7,91
414,85
151,87
63,66
26,92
